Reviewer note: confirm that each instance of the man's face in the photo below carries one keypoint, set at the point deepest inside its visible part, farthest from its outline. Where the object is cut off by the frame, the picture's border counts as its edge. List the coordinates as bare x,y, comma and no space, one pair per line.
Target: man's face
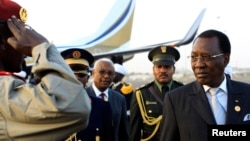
82,77
163,74
208,70
103,75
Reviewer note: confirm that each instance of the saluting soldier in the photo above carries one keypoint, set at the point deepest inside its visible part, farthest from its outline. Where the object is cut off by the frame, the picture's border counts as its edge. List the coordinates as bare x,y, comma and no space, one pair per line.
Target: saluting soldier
100,126
146,103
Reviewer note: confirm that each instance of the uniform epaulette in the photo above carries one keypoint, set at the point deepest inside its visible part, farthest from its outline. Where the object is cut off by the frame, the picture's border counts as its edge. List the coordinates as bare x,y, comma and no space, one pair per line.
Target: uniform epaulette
127,88
144,85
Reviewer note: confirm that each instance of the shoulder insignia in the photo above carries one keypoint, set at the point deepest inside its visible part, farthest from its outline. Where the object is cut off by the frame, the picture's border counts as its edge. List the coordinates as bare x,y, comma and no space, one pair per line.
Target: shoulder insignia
144,85
127,88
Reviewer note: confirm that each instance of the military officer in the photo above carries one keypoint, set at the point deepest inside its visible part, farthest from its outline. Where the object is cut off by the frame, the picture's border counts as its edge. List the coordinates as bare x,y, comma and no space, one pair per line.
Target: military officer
100,121
146,103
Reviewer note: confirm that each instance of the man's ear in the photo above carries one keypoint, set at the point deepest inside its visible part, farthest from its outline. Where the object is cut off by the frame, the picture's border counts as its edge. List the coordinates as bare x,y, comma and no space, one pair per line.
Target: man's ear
226,59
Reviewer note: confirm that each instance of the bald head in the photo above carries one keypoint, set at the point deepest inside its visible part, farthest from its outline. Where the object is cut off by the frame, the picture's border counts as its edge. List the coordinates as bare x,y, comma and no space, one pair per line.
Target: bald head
103,60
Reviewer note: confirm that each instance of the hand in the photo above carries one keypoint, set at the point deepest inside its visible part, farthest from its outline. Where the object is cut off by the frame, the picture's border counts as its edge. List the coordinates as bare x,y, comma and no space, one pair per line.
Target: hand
24,37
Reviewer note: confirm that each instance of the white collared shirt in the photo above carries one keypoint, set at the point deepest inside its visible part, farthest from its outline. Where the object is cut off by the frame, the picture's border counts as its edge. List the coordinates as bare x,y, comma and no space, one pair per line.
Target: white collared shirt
98,92
222,94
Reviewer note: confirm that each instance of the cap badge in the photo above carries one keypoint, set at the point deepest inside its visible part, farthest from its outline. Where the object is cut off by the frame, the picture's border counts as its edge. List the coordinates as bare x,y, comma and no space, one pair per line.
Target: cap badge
23,14
76,54
163,49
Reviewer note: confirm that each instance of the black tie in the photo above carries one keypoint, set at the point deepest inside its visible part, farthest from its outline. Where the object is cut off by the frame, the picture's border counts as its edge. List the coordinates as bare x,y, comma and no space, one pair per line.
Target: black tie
164,89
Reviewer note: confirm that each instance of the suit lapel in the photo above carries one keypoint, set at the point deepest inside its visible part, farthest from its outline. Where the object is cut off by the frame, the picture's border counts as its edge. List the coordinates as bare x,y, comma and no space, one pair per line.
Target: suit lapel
200,103
91,91
111,97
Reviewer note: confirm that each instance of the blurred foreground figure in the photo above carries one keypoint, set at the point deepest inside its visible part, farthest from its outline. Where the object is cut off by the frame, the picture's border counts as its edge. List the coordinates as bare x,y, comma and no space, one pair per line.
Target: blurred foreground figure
57,105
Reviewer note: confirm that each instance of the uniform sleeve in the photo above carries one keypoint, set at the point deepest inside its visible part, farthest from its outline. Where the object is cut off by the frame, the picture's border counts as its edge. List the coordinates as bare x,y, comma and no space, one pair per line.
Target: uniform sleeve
50,110
135,120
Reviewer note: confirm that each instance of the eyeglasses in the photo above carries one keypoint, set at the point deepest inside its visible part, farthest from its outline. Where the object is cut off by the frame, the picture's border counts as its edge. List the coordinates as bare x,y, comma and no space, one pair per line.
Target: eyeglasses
103,72
80,74
205,58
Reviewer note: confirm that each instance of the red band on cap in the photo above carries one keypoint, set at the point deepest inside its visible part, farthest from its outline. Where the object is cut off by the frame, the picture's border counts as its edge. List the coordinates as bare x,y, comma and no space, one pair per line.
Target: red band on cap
9,8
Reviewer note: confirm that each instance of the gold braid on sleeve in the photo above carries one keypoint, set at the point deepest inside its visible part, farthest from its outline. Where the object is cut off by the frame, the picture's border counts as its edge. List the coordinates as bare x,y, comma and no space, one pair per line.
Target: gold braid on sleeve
72,137
146,119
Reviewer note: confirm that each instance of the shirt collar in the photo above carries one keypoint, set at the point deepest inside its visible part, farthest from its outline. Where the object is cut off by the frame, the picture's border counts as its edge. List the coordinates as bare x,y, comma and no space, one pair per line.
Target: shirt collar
223,85
160,85
98,92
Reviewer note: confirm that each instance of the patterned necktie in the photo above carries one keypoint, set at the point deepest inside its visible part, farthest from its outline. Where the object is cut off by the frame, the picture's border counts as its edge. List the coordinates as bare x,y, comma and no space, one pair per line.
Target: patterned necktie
164,89
218,110
103,96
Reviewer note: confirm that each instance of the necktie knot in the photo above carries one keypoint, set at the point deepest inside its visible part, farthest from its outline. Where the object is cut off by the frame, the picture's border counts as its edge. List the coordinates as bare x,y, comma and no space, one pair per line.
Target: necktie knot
103,96
213,91
164,89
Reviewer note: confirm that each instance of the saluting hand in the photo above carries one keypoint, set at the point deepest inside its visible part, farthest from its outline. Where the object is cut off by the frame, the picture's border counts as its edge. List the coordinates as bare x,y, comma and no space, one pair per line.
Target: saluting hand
24,37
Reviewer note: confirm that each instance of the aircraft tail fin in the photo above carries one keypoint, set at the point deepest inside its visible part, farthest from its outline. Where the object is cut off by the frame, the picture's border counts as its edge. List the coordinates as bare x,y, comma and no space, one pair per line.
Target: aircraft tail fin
188,38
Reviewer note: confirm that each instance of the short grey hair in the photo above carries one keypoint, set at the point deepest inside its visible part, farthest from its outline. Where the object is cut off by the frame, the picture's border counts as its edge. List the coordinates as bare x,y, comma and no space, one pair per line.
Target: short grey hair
103,60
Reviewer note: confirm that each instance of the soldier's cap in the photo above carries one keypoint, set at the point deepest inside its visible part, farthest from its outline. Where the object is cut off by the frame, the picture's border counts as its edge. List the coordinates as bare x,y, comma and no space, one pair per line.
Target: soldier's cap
78,59
164,55
9,8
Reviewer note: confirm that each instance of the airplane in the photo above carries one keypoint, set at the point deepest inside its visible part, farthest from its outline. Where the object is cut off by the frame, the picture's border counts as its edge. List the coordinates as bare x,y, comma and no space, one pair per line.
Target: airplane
111,40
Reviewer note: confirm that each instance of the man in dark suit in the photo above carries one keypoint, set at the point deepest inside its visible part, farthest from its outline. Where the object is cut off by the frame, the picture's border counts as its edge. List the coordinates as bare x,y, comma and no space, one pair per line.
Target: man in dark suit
146,103
188,110
100,121
103,74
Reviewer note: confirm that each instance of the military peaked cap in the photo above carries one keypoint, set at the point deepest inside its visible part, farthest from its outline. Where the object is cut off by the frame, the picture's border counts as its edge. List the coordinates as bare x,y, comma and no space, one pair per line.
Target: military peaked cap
164,55
78,59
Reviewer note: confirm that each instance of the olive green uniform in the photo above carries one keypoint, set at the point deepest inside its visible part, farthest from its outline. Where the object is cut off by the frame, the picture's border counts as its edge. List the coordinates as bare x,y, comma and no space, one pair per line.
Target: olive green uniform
152,110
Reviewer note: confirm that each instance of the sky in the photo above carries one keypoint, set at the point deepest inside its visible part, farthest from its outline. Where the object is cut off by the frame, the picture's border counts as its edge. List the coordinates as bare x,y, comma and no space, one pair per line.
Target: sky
155,21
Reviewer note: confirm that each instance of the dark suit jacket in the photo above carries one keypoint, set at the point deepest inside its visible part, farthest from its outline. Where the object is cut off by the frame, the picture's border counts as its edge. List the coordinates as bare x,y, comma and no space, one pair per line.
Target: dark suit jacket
101,118
186,111
119,113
